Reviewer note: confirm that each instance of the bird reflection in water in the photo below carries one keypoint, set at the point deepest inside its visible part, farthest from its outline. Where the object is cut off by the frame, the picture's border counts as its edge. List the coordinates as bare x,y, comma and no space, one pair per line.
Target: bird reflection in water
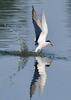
39,77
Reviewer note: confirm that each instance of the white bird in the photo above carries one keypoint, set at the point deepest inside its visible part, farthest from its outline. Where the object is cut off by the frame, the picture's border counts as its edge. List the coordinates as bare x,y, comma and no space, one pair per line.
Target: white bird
41,30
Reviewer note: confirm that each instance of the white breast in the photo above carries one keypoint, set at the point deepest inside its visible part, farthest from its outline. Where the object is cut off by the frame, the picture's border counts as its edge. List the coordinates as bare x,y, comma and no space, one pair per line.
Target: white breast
41,45
42,38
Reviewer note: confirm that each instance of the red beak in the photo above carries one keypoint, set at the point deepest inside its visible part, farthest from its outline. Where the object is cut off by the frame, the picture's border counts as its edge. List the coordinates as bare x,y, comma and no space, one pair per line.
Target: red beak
51,44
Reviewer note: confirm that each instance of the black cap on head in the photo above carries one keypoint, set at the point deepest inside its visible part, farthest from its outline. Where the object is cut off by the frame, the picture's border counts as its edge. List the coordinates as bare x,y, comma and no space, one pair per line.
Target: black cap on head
47,65
48,41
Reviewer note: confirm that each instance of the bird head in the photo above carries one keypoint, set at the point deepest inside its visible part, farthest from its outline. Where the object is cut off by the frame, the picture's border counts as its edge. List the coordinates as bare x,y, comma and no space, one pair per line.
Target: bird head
49,42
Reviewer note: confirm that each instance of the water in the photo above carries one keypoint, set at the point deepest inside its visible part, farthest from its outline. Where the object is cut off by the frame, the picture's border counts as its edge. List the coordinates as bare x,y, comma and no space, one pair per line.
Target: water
31,77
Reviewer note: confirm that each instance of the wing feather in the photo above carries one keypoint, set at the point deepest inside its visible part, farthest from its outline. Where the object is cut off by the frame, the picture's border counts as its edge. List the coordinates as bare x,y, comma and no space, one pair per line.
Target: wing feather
44,32
36,23
44,24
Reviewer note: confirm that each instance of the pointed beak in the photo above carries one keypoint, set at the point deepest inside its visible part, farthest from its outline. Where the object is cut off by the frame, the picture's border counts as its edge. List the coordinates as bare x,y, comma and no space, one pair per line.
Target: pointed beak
51,44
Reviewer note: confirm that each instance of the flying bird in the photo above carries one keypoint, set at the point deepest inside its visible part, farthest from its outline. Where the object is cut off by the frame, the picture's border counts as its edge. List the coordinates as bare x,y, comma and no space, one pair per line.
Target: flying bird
41,31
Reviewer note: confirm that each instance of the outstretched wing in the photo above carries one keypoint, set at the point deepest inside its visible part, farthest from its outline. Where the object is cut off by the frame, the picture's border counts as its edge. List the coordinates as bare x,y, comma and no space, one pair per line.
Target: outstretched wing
44,24
37,24
44,32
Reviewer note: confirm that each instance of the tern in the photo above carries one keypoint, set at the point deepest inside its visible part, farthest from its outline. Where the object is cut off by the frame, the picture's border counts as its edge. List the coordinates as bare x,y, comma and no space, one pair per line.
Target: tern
41,31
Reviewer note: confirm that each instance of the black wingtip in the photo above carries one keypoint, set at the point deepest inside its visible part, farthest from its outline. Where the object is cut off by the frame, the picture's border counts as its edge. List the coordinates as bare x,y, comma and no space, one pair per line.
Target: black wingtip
32,7
33,11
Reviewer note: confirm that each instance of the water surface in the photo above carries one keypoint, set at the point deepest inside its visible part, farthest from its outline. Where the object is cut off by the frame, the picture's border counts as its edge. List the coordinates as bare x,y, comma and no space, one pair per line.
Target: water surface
35,77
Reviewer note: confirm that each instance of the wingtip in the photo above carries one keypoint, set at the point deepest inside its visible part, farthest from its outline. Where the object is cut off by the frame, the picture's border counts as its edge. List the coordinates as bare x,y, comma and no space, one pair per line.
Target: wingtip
43,12
33,11
32,7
